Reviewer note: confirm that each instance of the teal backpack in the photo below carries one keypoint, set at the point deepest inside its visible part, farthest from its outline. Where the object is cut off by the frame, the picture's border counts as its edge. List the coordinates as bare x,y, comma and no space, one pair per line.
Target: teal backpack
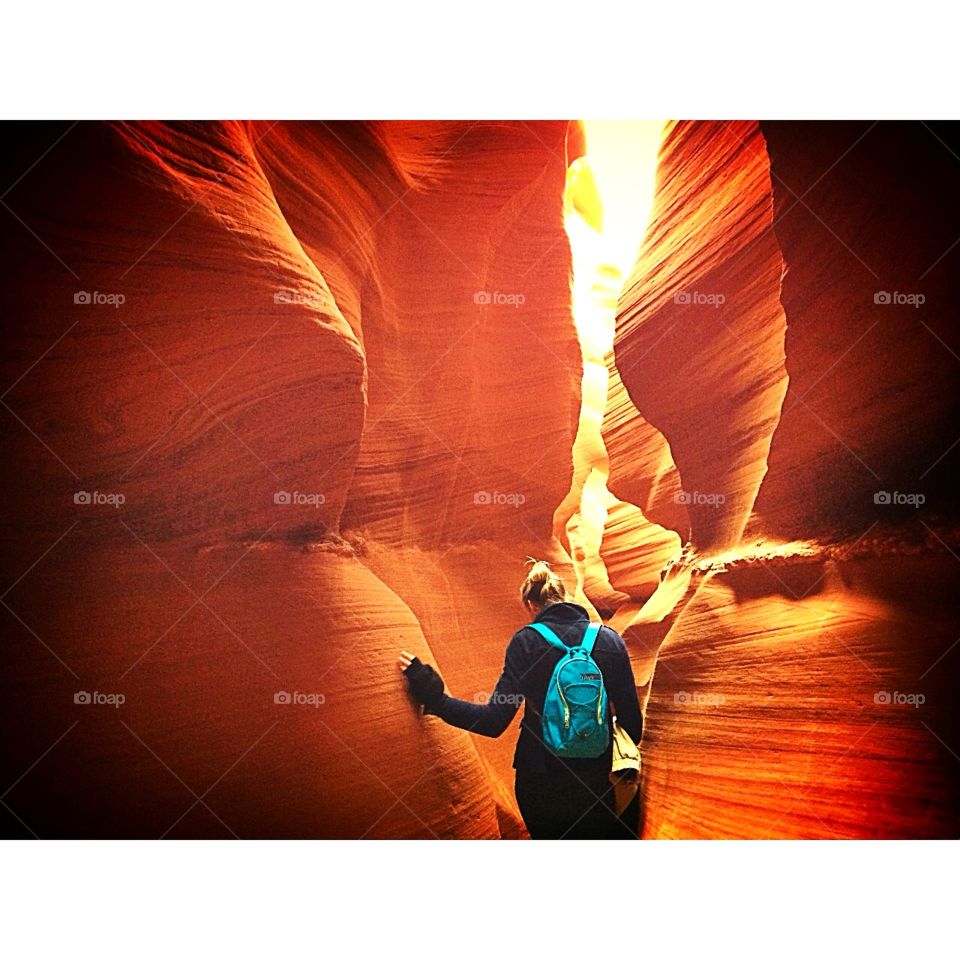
575,722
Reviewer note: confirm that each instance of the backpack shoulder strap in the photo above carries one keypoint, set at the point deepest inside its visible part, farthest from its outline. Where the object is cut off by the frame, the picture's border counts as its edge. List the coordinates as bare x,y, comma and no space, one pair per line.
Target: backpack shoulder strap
590,637
549,636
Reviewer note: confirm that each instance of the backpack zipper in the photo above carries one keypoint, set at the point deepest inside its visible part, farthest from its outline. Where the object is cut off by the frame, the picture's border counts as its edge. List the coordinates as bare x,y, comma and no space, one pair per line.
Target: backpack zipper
566,708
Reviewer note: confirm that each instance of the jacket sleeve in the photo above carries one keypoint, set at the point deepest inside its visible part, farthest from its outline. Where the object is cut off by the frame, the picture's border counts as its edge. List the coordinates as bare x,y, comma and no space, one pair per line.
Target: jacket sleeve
490,715
622,690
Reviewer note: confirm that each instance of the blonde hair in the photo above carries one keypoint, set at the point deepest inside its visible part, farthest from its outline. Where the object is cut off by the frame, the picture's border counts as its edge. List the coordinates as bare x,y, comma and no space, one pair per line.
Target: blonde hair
542,586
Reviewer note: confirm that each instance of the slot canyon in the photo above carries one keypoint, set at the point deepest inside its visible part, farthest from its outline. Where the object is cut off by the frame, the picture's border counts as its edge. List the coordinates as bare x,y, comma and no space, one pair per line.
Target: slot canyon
282,399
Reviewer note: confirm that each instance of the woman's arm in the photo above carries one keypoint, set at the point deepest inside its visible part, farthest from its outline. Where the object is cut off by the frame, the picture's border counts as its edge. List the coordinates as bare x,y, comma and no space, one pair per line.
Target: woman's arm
622,690
489,716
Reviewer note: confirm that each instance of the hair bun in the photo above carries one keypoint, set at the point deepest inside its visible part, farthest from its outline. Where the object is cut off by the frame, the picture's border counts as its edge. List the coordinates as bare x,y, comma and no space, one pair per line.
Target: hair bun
542,585
540,572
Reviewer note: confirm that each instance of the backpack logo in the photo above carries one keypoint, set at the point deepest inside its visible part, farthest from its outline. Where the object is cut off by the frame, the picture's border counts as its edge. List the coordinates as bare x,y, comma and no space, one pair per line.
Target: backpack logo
591,676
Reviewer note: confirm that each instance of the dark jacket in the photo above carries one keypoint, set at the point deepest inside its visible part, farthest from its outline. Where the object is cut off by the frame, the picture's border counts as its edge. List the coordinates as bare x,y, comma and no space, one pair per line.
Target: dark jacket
527,669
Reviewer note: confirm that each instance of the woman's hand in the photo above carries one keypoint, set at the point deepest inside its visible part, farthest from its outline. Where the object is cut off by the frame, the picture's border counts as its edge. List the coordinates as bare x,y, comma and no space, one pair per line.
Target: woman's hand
426,685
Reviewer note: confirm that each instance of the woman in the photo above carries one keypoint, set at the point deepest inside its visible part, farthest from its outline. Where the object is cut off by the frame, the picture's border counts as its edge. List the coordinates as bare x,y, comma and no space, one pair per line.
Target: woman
558,798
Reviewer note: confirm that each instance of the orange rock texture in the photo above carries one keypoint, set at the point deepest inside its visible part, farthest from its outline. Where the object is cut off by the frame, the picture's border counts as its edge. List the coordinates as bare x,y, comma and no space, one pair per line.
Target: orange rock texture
284,398
786,402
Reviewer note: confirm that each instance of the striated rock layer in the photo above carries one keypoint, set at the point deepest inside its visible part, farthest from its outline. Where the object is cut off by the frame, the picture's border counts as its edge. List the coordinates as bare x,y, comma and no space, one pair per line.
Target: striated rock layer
325,399
774,387
312,314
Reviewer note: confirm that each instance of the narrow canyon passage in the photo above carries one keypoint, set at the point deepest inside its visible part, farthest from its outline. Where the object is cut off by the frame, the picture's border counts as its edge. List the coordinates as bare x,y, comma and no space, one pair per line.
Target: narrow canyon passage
363,370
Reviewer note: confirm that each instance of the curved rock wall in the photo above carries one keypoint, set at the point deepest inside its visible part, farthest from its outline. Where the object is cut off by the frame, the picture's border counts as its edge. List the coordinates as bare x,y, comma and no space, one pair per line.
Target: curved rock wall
300,402
336,410
802,650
